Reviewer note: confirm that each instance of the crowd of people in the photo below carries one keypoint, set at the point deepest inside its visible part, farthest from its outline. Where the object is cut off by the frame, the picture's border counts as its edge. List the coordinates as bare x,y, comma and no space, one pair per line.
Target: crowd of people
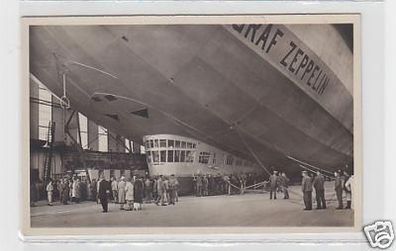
279,183
131,193
65,190
343,184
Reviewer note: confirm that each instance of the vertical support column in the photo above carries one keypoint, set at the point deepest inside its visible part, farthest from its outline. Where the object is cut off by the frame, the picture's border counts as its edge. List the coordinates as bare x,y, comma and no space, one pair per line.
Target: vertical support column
34,110
72,126
93,136
57,117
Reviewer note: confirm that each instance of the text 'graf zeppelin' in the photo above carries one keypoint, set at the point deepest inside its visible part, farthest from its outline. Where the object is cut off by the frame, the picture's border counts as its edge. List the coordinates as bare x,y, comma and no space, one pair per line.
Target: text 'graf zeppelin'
290,54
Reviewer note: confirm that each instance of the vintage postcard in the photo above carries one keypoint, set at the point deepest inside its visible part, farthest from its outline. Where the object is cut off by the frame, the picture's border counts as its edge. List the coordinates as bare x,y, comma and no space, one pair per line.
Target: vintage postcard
191,124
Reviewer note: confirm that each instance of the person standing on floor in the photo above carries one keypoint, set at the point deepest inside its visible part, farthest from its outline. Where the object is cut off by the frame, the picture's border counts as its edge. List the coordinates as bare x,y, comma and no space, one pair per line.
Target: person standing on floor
318,184
104,190
155,187
49,189
285,185
138,190
172,189
338,187
199,186
205,186
121,192
94,190
211,186
161,191
89,190
65,191
59,184
274,181
349,192
194,186
307,190
114,189
73,189
243,182
129,194
176,189
226,185
148,190
166,188
59,189
76,190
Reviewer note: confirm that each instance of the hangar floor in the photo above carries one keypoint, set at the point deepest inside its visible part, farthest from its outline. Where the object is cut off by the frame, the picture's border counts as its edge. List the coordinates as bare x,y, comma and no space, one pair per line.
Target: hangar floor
255,210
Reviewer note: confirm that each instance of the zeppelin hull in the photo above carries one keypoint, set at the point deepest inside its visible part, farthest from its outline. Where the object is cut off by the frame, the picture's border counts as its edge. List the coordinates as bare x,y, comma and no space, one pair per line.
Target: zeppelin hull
196,81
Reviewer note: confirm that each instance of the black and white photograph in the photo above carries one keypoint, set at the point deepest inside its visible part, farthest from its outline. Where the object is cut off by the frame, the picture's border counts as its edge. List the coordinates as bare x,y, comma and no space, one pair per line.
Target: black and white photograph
224,123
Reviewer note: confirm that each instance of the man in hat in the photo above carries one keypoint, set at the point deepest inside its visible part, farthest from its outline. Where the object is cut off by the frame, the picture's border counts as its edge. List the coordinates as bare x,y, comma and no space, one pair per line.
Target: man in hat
121,192
338,187
173,184
114,189
348,191
161,189
306,186
274,181
198,183
284,181
104,189
318,184
50,189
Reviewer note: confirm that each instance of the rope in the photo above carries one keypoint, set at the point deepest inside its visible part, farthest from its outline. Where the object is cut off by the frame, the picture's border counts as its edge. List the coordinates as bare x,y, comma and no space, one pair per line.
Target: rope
254,185
252,153
306,164
257,184
313,171
233,185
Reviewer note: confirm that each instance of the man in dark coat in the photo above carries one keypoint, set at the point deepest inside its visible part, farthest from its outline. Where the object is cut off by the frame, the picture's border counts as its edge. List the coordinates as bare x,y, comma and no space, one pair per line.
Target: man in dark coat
148,189
173,184
155,188
205,186
274,182
194,185
211,185
138,190
318,184
65,191
338,187
199,186
284,182
161,190
138,193
94,190
103,193
306,186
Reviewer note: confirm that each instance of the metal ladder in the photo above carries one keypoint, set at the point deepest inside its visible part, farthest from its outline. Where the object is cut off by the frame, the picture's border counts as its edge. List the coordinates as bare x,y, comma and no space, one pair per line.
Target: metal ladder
49,152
